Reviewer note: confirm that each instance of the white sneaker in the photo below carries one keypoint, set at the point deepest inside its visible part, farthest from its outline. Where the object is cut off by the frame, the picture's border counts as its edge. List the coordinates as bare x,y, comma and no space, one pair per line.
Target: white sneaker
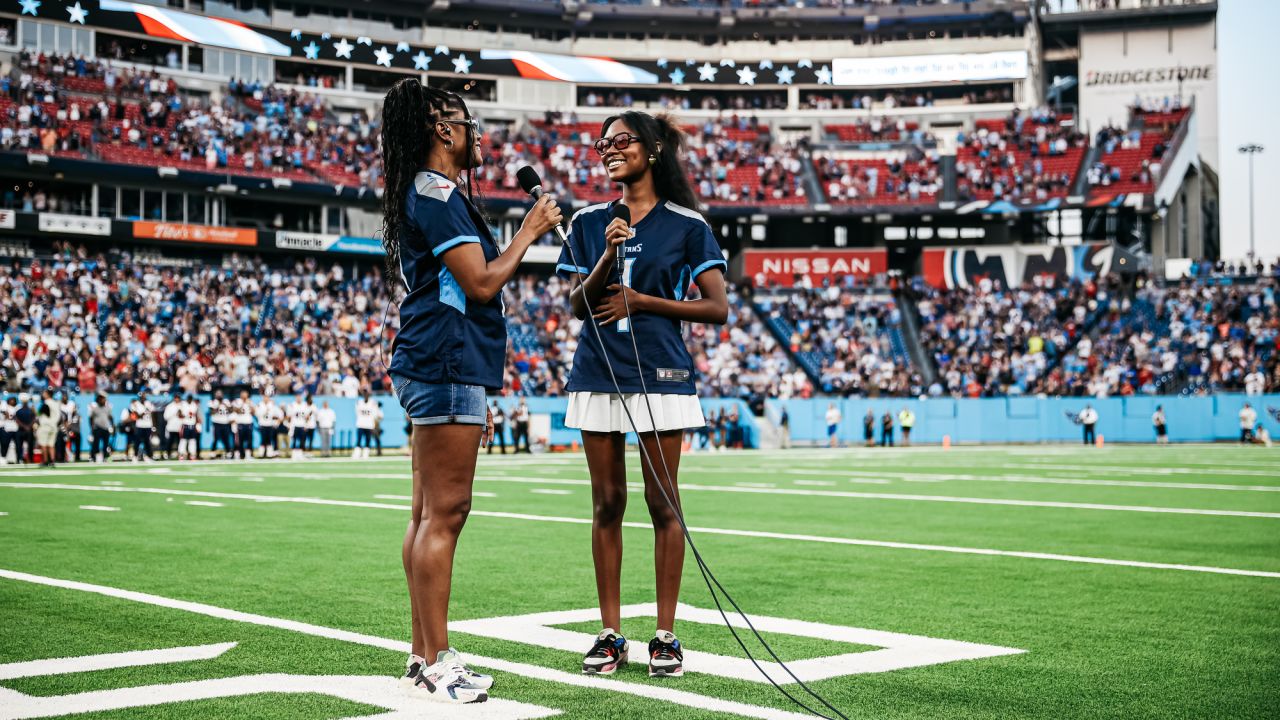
415,663
448,680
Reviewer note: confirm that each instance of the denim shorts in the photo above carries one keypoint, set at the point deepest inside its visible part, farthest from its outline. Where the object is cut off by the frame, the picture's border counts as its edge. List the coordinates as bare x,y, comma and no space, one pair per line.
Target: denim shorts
440,403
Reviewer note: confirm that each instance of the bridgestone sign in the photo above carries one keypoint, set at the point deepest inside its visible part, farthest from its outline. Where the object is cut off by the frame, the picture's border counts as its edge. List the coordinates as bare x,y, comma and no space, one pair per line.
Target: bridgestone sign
1150,75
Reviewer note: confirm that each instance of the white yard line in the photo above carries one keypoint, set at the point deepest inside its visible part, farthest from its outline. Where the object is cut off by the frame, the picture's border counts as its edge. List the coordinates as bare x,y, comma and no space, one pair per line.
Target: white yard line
651,691
100,508
204,503
111,661
550,491
710,531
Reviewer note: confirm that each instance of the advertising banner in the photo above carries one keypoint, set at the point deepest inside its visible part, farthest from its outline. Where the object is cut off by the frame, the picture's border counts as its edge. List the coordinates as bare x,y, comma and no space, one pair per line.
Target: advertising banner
204,234
1012,265
780,267
316,242
8,219
913,69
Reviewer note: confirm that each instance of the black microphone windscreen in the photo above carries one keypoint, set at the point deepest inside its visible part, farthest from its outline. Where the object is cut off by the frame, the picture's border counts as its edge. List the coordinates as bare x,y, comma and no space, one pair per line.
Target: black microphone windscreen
622,211
528,179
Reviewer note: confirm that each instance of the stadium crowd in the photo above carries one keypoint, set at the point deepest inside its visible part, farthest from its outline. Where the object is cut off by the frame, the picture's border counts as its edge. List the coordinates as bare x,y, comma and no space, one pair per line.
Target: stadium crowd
1031,155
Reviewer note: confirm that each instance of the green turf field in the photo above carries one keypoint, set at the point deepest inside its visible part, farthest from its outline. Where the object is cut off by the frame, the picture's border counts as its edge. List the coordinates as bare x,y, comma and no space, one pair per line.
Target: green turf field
1070,582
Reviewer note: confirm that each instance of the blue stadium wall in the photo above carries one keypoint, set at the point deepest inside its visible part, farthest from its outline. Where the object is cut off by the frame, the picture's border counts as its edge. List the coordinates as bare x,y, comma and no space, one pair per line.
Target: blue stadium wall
1030,419
393,425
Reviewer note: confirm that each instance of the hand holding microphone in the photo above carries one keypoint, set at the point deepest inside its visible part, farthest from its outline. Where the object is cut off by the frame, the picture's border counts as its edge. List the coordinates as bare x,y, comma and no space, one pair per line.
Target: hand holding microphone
545,215
617,233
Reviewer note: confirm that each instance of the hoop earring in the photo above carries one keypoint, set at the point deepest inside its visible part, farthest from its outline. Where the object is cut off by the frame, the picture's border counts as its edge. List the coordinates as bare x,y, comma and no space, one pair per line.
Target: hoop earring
448,144
653,159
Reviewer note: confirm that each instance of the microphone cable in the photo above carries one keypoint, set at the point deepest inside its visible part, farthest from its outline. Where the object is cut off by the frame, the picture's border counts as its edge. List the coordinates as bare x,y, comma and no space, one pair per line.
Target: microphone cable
532,185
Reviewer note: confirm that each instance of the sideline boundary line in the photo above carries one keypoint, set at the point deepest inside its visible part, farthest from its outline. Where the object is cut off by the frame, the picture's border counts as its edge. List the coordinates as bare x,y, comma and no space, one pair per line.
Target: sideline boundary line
710,531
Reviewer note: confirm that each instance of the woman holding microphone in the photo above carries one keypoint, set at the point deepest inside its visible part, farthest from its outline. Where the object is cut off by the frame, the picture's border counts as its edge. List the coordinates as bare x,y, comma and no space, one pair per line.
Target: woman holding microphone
665,247
451,347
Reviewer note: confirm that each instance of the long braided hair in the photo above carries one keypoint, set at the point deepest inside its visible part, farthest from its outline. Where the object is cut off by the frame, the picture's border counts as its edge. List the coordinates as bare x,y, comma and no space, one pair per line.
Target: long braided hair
410,112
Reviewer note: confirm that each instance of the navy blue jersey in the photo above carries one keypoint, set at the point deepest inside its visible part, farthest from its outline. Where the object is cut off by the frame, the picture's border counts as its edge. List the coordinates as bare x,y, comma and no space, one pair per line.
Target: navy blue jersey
444,336
672,246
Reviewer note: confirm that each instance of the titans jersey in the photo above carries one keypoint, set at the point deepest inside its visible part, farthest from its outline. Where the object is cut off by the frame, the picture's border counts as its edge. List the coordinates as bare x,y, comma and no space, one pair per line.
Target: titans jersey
672,246
444,336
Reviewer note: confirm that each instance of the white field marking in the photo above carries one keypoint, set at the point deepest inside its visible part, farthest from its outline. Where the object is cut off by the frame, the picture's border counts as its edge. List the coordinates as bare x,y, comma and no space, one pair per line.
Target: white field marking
910,497
110,482
406,498
160,471
203,503
536,672
898,650
250,479
799,493
380,692
815,483
3,514
185,481
756,485
550,491
1036,480
1147,470
707,530
111,661
477,493
100,508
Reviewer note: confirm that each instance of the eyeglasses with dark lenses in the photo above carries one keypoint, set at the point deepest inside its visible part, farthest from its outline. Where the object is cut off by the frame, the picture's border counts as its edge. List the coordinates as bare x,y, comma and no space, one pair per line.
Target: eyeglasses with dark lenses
620,141
473,124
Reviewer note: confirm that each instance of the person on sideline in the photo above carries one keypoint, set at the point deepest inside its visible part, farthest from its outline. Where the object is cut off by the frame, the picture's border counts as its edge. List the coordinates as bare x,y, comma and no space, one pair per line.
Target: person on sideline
101,425
666,247
907,420
520,426
1089,420
1161,425
366,417
242,424
833,425
784,427
1248,419
499,429
886,429
869,428
326,420
451,348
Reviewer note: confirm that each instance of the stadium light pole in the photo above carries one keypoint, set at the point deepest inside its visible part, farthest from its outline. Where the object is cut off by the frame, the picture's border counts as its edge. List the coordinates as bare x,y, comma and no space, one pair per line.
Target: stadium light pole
1250,150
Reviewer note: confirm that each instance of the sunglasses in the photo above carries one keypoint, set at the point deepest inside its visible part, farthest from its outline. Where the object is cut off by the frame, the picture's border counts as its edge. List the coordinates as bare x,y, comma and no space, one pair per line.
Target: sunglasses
620,141
473,124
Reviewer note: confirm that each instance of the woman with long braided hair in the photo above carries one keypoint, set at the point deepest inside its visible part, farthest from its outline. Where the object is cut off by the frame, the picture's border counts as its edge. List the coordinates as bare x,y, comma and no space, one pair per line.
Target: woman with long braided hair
451,347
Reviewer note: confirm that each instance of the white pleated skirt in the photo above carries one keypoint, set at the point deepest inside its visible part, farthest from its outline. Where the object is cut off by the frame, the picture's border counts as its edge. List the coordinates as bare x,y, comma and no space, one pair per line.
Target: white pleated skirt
602,412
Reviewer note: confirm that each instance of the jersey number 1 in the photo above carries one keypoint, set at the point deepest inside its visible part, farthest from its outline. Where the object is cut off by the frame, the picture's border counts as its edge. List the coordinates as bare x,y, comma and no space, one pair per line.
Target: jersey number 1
624,325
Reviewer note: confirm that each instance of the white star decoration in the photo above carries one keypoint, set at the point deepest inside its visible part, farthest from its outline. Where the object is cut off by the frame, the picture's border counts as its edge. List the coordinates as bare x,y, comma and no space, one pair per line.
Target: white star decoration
727,62
746,76
29,7
402,46
421,61
662,62
824,75
461,65
77,13
707,73
382,56
325,36
677,76
362,40
296,34
442,49
785,75
312,50
343,48
805,63
766,64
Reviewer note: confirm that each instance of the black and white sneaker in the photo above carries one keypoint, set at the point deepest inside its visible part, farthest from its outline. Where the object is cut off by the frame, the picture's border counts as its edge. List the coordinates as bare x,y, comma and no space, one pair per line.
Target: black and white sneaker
666,656
412,667
448,680
415,663
607,655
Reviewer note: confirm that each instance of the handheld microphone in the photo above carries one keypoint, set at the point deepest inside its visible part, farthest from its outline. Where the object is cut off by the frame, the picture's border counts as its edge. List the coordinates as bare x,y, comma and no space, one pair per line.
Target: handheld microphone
532,184
623,212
